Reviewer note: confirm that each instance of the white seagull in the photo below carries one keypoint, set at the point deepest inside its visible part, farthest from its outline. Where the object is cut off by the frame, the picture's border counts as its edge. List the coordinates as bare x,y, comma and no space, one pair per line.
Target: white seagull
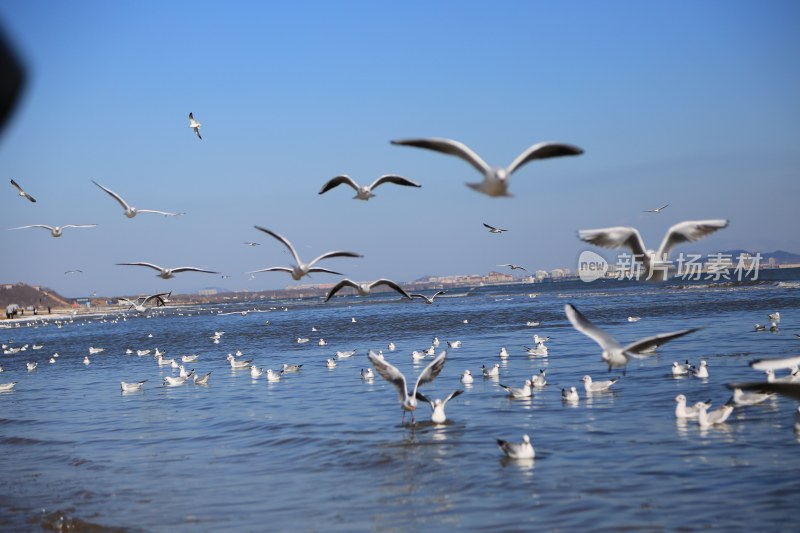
130,387
492,371
614,354
621,236
365,192
390,373
364,289
524,392
201,380
331,363
301,269
657,209
273,376
428,300
492,229
438,416
131,211
718,416
591,386
6,387
495,179
57,231
291,368
195,126
701,371
679,369
749,398
466,377
345,354
518,450
681,411
174,381
22,192
570,395
540,380
140,305
167,273
367,375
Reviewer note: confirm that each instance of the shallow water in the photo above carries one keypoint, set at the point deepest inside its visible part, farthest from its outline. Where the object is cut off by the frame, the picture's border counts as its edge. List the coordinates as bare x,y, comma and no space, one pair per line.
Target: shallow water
323,451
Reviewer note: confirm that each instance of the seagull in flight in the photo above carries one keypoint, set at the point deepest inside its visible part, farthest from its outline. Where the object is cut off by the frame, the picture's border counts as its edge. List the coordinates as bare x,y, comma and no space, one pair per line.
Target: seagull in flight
141,302
495,179
515,267
492,229
167,273
614,354
427,299
365,192
657,209
301,269
57,231
251,243
195,126
22,192
390,373
131,211
621,236
74,272
365,288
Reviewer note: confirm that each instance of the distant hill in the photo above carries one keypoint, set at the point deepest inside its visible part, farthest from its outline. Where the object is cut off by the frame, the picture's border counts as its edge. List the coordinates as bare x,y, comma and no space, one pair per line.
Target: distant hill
26,295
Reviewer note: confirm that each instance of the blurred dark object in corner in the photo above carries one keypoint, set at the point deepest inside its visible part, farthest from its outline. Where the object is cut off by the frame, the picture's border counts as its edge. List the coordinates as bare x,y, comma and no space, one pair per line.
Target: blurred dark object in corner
12,80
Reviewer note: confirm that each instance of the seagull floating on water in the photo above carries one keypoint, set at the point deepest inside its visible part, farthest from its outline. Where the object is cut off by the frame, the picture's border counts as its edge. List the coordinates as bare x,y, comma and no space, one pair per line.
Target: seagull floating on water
363,289
195,126
301,269
749,398
56,231
495,179
365,192
540,380
291,368
518,450
131,211
408,401
701,371
438,415
614,353
570,395
130,387
492,229
621,236
492,371
177,381
597,386
718,416
681,411
679,370
331,363
167,273
6,387
367,374
466,377
521,393
22,192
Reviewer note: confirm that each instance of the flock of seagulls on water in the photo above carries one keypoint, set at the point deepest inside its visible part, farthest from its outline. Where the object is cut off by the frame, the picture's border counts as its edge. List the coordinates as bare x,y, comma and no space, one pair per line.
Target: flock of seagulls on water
495,183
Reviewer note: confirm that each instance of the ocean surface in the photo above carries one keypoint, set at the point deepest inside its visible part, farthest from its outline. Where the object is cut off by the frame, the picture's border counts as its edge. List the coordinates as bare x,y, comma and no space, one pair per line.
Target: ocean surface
321,450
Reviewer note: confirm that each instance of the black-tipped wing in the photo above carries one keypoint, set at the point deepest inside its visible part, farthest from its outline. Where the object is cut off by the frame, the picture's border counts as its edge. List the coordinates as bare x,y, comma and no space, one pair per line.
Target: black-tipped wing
543,150
393,178
453,395
22,191
450,147
338,180
392,285
339,286
635,348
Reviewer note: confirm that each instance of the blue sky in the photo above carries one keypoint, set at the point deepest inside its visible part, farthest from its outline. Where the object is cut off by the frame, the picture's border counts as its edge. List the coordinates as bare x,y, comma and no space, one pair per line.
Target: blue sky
691,103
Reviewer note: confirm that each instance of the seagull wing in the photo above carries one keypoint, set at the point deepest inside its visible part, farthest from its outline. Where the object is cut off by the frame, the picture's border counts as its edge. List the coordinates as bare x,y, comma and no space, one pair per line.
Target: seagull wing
775,364
393,178
490,227
447,146
429,300
328,255
339,286
616,237
325,270
114,195
165,213
150,265
433,369
283,240
271,269
338,180
192,269
425,399
582,324
786,389
437,294
635,348
452,395
79,226
390,373
35,226
689,231
543,151
391,284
